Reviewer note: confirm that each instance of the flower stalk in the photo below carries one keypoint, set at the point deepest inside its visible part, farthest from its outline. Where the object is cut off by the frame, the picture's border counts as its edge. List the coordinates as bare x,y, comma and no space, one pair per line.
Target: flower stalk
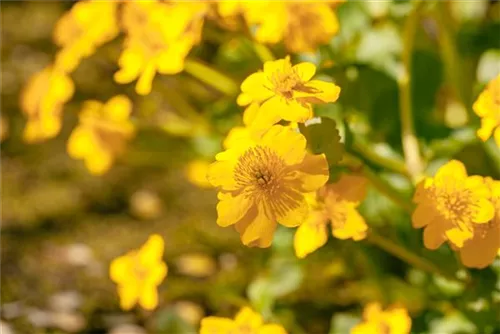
211,77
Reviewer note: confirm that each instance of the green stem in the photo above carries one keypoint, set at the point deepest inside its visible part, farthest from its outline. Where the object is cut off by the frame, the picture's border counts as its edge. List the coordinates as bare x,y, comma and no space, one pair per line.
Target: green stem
407,256
211,77
410,143
380,184
262,52
367,153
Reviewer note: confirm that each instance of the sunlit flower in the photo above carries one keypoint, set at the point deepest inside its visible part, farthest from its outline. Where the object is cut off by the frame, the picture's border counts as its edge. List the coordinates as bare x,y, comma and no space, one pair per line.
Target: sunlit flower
159,35
286,92
262,183
394,320
450,205
138,274
481,250
42,102
335,203
196,173
487,106
88,25
102,133
303,26
245,322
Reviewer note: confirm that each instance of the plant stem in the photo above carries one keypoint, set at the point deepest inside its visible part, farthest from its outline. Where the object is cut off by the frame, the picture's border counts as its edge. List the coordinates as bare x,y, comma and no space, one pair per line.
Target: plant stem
407,256
390,164
262,52
211,77
409,140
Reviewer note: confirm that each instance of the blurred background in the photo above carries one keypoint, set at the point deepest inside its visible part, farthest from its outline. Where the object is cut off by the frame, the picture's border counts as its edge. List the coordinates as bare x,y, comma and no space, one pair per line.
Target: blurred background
62,226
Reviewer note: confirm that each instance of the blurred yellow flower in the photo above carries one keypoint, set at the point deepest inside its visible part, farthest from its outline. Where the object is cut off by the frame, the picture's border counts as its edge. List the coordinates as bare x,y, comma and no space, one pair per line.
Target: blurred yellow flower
42,100
394,320
450,205
159,35
338,204
102,133
487,106
302,25
245,322
285,92
196,172
480,251
79,32
138,274
263,183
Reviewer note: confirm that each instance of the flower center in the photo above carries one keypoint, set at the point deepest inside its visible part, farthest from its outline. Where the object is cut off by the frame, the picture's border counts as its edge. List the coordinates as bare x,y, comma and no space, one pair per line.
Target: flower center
260,170
456,207
285,81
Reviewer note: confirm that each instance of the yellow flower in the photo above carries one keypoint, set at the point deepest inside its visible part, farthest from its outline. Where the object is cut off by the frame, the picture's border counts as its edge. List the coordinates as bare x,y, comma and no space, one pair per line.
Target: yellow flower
88,25
450,205
138,274
102,132
480,251
245,322
286,92
196,173
487,106
338,204
159,37
303,26
42,101
394,320
263,182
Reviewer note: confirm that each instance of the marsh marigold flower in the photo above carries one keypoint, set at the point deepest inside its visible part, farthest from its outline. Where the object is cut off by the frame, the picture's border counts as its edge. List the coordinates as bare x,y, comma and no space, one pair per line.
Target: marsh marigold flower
263,182
42,101
487,106
480,251
245,322
450,205
79,32
335,203
394,320
102,133
159,35
285,92
138,274
302,25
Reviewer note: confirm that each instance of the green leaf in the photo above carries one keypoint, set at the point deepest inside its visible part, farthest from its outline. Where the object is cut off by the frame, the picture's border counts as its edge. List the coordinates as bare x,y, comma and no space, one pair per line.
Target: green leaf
324,137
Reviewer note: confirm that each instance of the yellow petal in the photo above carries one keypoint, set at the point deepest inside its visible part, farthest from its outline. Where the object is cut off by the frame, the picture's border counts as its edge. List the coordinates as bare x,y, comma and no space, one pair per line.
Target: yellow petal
118,108
120,269
231,209
287,143
99,161
145,81
350,187
487,127
151,253
257,86
458,236
216,325
156,274
313,172
311,235
272,329
296,209
451,172
433,236
317,91
80,143
422,215
290,110
131,64
484,211
221,174
247,317
353,227
149,297
479,252
129,295
305,70
260,230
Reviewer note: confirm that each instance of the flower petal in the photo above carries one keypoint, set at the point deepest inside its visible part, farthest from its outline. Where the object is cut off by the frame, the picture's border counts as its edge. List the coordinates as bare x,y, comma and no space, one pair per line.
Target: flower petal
217,325
294,111
305,70
479,252
260,231
317,91
248,318
151,253
120,269
231,209
458,236
313,172
296,209
287,143
311,235
450,173
423,214
149,297
485,211
221,174
129,295
433,236
257,87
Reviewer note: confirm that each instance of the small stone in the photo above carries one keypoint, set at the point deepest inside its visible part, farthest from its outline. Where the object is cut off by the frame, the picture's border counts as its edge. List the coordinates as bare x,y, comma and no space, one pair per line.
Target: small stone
67,321
5,328
38,318
79,254
65,301
189,312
